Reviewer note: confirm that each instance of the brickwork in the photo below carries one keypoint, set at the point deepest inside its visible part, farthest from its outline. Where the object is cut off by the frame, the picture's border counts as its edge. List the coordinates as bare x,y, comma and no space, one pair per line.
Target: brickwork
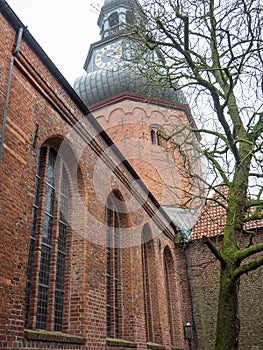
205,274
42,112
205,277
155,281
129,123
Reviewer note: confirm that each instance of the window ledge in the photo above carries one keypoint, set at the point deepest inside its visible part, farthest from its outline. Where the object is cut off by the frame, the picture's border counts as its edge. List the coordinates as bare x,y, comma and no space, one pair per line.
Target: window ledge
155,346
53,337
120,343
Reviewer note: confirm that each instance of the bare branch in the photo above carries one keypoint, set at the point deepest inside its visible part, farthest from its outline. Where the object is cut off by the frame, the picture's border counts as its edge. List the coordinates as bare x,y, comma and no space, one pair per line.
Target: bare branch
213,249
250,266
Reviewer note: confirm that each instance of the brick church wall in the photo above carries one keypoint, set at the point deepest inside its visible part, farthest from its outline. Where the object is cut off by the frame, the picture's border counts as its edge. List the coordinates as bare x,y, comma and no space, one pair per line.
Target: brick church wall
39,101
41,111
36,98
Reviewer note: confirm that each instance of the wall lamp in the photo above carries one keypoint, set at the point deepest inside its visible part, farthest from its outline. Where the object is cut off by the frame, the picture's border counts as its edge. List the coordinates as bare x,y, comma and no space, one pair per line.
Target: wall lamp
188,333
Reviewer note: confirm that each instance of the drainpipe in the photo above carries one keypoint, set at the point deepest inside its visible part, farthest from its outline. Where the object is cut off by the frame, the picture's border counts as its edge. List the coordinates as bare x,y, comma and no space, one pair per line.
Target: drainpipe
14,54
185,236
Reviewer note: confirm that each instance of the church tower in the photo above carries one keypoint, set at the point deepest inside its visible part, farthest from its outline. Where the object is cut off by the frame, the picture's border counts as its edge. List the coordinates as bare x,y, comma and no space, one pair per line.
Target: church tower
107,76
137,114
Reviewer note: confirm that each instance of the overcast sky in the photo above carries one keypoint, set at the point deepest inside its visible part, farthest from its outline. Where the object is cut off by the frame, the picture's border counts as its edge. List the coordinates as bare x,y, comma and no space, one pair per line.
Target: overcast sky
63,28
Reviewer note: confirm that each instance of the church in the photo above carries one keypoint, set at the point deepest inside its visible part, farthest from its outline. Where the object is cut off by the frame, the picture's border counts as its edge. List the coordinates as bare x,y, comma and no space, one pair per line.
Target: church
97,249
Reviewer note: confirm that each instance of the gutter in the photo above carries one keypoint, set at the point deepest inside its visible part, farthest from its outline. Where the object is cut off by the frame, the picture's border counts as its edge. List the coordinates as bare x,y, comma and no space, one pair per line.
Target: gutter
14,54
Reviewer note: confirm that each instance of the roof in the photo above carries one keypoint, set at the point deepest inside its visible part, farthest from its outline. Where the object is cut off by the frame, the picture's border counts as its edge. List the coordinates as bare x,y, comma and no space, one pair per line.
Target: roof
183,218
212,221
104,83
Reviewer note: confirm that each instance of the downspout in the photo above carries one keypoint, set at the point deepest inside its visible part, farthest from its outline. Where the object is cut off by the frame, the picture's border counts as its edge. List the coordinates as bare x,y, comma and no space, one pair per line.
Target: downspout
14,54
190,283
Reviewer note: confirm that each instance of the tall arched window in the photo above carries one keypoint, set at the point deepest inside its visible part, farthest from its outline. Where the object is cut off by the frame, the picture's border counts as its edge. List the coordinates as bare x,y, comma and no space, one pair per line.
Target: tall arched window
47,257
113,295
169,275
146,261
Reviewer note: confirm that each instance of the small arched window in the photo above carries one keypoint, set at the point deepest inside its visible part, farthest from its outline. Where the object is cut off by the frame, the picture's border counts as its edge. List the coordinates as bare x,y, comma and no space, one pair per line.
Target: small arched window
130,17
156,137
47,256
113,19
159,138
153,137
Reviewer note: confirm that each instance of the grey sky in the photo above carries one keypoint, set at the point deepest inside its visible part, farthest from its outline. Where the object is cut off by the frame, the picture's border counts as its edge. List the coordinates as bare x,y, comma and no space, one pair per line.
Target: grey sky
63,28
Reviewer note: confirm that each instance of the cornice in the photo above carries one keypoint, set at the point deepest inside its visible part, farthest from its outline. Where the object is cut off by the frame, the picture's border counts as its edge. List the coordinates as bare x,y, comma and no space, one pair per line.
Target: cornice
139,98
147,100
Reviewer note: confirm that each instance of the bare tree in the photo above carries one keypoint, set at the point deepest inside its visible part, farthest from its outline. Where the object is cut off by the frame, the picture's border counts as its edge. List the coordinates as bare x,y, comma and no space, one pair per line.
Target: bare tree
213,52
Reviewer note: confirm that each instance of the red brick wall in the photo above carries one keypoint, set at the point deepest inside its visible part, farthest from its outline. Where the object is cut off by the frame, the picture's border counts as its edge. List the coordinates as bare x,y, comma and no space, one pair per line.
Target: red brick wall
129,124
32,90
205,276
37,98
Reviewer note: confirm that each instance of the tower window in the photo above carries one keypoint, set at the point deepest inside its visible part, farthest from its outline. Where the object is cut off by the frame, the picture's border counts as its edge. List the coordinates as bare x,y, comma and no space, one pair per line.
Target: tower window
156,137
153,137
130,18
159,139
113,19
47,255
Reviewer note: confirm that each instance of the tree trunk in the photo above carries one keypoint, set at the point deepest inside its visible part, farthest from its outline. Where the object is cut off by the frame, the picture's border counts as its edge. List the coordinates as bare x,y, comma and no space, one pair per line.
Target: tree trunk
228,323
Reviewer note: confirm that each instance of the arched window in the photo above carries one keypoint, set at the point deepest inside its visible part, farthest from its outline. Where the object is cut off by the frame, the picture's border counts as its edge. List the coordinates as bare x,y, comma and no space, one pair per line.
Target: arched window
170,287
113,297
130,17
156,137
113,19
119,255
159,138
146,261
47,257
153,137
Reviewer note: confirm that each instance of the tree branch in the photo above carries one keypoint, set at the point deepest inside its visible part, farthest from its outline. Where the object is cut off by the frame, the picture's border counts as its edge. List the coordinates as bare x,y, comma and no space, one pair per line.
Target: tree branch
247,252
213,249
250,266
